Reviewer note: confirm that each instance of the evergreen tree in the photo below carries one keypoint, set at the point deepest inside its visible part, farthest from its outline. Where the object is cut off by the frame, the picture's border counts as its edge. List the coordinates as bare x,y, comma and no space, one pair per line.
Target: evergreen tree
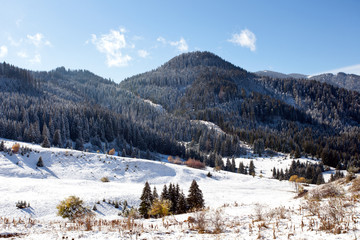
2,146
252,168
40,162
181,206
146,200
165,193
274,172
45,143
320,179
57,138
228,165
155,195
233,167
195,198
241,168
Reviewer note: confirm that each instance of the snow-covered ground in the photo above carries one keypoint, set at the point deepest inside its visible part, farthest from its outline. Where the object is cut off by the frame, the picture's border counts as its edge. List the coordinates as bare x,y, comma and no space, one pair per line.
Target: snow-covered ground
238,198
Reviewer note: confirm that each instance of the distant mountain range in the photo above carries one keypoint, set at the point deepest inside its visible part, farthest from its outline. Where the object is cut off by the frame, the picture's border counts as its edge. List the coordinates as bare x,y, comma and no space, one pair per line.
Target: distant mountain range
343,80
167,110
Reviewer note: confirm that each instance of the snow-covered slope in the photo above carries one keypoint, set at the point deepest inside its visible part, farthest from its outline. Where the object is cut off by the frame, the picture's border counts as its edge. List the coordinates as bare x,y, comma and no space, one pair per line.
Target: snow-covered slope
69,172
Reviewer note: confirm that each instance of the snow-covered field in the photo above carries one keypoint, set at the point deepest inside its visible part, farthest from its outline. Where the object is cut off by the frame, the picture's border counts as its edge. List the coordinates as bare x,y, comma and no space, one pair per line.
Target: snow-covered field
238,199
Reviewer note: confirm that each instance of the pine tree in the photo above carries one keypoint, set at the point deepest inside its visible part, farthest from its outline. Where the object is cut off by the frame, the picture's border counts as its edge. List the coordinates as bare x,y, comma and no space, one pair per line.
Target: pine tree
146,200
155,195
252,168
57,138
274,172
233,167
2,146
165,193
45,143
181,206
40,162
320,179
241,168
195,198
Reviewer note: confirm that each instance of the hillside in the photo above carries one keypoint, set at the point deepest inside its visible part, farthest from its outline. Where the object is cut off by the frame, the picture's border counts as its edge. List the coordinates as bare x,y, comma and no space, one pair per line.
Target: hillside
159,111
241,203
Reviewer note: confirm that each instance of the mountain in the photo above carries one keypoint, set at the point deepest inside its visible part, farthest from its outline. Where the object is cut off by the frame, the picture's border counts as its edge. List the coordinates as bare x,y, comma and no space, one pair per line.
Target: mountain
272,74
196,105
347,81
343,80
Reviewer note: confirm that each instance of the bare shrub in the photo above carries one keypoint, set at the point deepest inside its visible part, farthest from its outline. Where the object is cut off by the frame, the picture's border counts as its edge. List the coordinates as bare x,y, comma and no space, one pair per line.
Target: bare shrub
312,206
355,187
332,215
259,213
325,191
218,221
111,152
200,221
194,163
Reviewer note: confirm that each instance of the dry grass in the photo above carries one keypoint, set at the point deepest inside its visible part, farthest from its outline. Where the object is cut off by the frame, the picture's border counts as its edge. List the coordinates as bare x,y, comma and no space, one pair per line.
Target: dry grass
326,191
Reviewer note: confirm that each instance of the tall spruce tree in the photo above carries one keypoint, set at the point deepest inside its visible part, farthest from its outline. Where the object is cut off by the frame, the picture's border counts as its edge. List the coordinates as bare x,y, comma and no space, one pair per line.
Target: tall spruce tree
146,200
252,168
195,198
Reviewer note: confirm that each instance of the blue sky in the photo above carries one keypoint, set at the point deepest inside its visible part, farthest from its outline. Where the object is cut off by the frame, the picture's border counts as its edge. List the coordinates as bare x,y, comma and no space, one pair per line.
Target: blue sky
117,39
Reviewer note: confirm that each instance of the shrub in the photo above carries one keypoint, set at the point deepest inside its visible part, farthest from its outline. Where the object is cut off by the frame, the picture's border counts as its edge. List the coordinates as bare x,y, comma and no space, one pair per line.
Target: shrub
355,187
15,148
72,208
325,191
105,179
194,163
160,208
112,152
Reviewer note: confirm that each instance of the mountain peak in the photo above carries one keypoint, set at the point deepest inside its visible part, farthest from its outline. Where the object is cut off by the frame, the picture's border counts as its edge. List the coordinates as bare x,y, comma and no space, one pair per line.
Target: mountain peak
198,58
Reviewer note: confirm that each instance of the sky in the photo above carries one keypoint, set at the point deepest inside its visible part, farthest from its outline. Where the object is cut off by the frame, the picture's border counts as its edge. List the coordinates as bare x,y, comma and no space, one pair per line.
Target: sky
117,39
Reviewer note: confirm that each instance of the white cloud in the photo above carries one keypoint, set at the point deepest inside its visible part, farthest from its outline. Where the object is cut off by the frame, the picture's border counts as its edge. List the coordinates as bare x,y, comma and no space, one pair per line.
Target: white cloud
38,40
143,53
36,59
181,45
22,54
245,38
161,39
3,51
14,43
112,45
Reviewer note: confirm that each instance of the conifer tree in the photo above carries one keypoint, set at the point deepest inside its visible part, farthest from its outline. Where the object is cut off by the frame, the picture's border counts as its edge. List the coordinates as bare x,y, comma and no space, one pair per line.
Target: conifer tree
252,168
241,168
57,138
155,195
181,206
164,193
45,143
195,198
40,162
146,200
233,167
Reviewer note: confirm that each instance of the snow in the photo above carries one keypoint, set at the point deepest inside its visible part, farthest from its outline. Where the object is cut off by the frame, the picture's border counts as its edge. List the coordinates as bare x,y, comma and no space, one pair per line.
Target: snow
69,172
209,125
158,107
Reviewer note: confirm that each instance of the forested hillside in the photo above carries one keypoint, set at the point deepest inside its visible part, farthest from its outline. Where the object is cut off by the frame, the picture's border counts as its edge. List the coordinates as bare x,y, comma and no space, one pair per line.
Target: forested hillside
159,111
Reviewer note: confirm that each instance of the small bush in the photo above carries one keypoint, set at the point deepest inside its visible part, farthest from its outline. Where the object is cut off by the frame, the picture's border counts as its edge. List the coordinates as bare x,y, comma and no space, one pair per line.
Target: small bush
194,163
112,152
15,148
105,179
72,208
160,208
